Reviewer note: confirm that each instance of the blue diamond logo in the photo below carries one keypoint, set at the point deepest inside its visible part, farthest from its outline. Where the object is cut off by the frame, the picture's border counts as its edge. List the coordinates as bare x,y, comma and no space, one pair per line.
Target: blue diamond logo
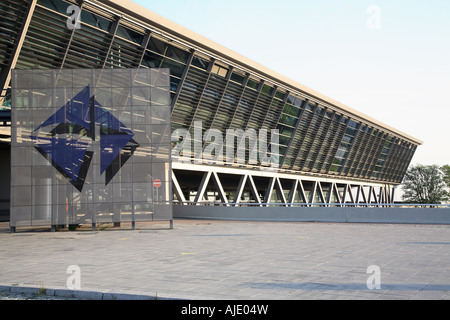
64,139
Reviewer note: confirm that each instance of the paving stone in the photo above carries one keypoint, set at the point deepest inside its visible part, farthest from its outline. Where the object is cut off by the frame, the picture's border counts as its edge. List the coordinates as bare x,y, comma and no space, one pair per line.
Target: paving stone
232,260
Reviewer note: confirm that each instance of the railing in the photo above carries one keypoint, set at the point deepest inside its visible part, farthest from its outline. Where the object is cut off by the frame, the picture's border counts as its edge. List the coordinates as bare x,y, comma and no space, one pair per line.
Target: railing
308,205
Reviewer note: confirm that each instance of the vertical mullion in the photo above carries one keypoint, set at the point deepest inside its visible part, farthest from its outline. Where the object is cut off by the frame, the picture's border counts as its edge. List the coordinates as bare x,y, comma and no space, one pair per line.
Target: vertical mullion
240,189
272,99
112,33
344,166
369,150
284,105
69,42
197,106
314,159
5,76
309,128
183,79
374,154
144,45
366,145
261,85
230,72
297,125
337,141
357,153
314,137
230,121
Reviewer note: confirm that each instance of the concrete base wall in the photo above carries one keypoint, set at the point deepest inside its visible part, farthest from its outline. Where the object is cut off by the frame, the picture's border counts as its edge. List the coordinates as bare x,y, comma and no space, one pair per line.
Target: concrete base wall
317,214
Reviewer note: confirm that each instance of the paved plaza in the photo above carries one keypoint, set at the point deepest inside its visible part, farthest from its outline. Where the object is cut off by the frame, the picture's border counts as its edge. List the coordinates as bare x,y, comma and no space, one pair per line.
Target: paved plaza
233,260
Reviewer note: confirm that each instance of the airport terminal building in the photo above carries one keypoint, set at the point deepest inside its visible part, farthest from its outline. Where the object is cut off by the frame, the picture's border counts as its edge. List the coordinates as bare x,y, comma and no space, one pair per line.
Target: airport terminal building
326,152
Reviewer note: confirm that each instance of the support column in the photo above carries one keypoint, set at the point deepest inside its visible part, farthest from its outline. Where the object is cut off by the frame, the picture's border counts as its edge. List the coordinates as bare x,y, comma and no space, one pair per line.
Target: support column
291,198
240,189
177,189
280,191
253,189
302,192
269,191
220,189
202,187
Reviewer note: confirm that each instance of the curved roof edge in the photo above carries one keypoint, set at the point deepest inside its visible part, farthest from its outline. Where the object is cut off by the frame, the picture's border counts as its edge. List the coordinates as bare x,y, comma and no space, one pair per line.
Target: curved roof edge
144,14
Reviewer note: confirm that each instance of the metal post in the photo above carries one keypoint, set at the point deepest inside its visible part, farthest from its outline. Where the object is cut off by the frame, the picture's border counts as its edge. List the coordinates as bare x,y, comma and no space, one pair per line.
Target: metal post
5,76
183,78
112,34
69,42
133,210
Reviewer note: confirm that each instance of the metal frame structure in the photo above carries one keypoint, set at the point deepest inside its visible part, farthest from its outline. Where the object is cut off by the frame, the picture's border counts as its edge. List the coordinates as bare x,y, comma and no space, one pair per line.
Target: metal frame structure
274,189
320,140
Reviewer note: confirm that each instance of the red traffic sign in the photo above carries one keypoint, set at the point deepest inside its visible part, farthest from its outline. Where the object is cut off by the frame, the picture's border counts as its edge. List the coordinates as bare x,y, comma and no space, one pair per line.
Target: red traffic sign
157,183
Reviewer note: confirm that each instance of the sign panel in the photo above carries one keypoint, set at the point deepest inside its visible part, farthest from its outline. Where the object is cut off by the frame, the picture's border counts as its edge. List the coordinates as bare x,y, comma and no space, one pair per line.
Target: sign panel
85,144
157,183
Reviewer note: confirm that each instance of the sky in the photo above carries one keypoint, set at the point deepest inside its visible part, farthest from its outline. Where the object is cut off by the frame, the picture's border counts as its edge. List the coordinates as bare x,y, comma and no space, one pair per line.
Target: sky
388,59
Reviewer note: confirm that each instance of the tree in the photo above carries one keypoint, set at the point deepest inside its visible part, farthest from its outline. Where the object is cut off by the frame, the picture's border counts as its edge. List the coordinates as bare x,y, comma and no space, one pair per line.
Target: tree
446,170
425,184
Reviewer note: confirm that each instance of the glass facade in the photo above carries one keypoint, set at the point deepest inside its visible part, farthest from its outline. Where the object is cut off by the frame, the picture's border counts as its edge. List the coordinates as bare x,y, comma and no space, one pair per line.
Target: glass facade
315,137
90,146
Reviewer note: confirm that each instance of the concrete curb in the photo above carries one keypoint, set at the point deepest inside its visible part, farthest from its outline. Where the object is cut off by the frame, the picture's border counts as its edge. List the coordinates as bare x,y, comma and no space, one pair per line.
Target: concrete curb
78,294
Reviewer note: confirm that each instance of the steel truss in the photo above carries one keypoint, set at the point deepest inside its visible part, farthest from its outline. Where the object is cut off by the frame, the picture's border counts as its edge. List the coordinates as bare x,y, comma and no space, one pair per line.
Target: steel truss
277,189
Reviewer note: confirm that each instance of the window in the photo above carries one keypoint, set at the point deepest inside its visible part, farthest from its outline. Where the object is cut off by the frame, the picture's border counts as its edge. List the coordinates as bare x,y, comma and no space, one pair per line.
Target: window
352,124
252,83
320,110
310,106
288,120
285,130
266,89
291,110
56,5
169,50
200,63
176,69
174,82
130,35
236,77
350,131
157,45
280,95
95,20
152,60
290,99
337,117
284,140
298,102
219,70
178,54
